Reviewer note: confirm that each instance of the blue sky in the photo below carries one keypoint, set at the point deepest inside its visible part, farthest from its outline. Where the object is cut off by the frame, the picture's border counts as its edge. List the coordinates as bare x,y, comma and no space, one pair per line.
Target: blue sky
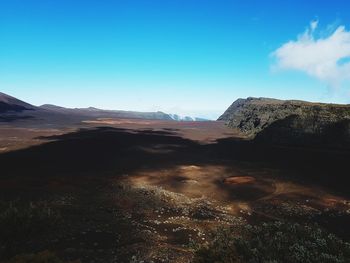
180,56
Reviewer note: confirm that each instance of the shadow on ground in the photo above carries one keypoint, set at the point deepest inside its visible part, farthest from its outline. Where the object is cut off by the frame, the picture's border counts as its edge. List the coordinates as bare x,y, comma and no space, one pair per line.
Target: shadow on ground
78,174
111,151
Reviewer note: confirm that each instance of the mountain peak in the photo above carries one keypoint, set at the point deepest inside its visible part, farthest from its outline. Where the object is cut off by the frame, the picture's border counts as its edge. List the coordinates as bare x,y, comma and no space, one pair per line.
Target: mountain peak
9,103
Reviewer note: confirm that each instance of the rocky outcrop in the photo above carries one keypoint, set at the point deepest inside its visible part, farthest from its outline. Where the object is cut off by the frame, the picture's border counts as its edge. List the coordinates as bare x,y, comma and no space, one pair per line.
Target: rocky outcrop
290,121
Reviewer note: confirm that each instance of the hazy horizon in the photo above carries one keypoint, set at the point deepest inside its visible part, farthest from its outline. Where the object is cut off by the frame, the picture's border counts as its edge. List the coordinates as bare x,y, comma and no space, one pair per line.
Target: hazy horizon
179,57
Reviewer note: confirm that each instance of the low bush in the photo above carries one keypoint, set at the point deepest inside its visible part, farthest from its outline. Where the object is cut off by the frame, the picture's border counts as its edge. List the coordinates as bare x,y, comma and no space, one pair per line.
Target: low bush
273,243
23,224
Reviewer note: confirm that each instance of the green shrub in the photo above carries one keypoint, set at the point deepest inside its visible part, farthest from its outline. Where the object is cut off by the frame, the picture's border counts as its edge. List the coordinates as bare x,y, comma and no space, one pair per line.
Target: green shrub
275,242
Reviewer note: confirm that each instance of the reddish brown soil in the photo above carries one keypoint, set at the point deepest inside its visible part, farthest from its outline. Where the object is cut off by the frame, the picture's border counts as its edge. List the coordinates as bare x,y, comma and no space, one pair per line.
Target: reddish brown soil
239,180
151,186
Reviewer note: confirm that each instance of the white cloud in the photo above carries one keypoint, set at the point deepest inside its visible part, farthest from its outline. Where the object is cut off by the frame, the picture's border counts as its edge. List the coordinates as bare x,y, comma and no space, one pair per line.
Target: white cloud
313,25
324,58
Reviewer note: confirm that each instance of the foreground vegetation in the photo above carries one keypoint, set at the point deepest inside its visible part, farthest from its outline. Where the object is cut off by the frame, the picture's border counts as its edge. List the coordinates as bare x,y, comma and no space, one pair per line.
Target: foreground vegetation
23,224
41,257
274,242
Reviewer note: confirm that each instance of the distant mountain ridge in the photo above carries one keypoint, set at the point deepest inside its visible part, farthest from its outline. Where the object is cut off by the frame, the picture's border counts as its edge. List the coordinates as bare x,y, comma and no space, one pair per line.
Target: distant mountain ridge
12,109
290,121
177,117
99,113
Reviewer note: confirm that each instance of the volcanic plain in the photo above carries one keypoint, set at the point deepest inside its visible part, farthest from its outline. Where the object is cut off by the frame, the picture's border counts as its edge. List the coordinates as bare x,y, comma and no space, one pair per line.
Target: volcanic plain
132,190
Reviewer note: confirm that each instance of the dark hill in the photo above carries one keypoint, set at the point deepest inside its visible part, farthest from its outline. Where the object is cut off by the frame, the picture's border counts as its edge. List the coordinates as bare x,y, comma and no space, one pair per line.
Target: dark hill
290,121
11,104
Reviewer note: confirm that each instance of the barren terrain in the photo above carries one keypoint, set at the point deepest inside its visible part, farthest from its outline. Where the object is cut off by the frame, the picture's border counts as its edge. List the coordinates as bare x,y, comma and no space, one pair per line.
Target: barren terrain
145,190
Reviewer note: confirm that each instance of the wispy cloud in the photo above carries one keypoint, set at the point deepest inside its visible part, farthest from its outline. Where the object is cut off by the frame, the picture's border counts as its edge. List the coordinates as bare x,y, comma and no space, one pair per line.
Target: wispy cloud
325,58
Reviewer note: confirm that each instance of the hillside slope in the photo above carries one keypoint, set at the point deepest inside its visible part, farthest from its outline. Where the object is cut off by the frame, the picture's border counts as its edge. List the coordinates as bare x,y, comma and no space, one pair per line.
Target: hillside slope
290,121
11,104
19,112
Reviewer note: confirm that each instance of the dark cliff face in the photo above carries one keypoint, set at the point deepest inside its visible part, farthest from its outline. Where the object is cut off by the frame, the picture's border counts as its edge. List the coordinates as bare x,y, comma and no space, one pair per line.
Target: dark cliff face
290,122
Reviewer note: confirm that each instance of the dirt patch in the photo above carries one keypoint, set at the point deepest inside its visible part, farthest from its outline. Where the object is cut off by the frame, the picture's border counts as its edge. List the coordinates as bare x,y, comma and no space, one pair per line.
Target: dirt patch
239,180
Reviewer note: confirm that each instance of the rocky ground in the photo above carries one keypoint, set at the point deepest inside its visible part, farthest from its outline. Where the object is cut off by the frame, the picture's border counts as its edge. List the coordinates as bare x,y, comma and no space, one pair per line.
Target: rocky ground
135,193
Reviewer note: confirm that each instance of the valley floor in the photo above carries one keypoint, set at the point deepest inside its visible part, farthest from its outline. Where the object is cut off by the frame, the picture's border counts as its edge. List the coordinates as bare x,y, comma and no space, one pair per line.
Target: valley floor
152,191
